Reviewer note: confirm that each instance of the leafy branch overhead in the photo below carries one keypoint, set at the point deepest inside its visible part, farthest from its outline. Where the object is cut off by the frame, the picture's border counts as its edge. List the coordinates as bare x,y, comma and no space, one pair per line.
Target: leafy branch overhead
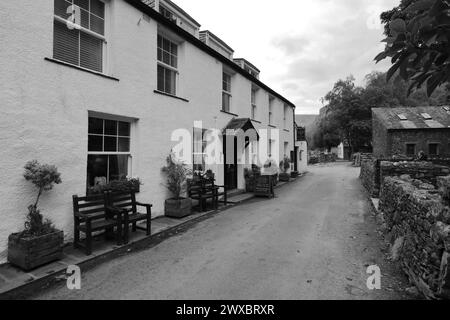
418,42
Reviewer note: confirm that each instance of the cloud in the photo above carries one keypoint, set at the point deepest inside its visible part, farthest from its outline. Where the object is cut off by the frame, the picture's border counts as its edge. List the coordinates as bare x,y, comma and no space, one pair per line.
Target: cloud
302,47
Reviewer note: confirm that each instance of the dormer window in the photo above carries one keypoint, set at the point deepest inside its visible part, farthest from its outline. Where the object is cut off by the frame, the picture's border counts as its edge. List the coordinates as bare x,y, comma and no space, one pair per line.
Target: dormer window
167,14
402,117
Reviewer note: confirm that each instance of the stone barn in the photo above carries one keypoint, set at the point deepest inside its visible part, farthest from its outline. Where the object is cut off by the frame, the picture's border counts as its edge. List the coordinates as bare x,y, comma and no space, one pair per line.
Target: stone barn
405,131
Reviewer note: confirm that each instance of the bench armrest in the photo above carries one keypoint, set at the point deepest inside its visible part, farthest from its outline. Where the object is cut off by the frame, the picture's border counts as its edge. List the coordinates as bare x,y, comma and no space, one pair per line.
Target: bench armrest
144,204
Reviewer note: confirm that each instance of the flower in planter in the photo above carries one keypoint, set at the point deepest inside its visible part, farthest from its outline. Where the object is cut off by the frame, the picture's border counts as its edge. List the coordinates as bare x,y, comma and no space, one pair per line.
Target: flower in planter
44,177
124,185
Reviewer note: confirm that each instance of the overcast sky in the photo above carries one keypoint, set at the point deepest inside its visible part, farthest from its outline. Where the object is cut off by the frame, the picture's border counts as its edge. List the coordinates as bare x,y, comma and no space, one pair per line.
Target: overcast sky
302,47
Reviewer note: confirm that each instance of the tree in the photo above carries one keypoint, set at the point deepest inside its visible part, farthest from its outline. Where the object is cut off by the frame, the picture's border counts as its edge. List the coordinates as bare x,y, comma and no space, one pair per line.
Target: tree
346,118
44,177
418,43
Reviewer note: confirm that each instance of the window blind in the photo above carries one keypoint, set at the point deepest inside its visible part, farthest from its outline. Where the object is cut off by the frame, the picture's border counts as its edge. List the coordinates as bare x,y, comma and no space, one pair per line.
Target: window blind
78,47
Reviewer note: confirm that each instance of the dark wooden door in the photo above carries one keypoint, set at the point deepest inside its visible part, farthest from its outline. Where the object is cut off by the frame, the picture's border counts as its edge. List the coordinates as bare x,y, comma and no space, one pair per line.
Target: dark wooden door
231,168
294,158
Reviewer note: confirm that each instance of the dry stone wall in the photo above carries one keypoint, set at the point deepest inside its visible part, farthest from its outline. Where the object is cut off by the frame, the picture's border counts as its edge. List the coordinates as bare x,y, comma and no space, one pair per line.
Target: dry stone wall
417,220
373,172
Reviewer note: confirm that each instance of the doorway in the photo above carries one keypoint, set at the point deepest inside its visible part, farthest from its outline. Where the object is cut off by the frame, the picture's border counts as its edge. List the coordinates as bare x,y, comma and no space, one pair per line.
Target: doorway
230,165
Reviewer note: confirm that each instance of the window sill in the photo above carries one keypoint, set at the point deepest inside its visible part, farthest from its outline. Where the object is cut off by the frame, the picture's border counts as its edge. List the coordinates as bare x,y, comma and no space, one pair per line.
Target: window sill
80,68
256,121
286,130
170,95
272,126
229,113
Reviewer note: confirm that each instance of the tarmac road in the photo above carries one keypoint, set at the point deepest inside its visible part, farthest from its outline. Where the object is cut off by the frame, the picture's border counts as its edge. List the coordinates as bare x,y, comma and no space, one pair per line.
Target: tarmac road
315,240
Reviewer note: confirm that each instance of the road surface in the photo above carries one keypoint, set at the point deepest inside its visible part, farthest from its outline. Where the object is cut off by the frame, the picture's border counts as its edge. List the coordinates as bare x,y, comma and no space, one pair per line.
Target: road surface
314,241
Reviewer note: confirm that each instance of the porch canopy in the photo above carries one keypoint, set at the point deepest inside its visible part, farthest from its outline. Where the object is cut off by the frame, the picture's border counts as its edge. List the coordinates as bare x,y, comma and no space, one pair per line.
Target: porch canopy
241,125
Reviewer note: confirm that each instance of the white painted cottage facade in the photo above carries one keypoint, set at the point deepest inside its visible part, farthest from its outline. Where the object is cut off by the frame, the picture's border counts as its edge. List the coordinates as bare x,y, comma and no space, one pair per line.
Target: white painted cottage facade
110,94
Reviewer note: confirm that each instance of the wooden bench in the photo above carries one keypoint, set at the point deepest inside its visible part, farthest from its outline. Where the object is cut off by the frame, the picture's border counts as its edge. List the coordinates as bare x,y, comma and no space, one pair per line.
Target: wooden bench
205,189
91,214
126,204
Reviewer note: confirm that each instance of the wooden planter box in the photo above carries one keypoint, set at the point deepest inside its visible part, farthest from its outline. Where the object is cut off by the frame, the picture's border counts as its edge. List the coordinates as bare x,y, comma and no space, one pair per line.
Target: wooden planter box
284,177
178,208
30,253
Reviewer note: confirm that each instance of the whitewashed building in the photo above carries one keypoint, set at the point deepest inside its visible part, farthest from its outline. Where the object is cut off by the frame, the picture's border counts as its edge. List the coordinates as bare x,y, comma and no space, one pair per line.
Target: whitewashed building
102,98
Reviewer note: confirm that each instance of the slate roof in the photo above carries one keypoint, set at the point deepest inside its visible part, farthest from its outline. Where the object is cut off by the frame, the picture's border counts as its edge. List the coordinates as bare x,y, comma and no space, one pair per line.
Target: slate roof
413,117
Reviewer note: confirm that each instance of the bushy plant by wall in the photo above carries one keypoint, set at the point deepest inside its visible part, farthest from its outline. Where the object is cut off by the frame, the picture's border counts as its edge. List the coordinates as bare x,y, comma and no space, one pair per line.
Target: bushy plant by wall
285,164
176,174
44,177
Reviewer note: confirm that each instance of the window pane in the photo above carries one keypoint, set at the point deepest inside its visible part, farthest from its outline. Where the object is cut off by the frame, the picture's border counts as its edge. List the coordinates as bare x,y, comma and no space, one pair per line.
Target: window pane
65,43
225,102
433,149
95,143
159,54
110,144
166,57
161,74
410,149
91,55
97,25
124,144
84,18
82,4
118,167
97,170
111,127
166,45
98,8
174,49
170,81
96,125
61,7
124,129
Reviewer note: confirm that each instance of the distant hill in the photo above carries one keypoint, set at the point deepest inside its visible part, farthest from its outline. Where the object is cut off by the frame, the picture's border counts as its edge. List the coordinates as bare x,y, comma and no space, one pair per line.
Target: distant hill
305,120
309,121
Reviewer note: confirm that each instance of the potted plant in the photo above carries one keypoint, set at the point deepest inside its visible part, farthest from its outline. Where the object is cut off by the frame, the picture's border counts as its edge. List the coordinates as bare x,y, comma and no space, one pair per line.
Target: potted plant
176,173
285,165
40,242
251,176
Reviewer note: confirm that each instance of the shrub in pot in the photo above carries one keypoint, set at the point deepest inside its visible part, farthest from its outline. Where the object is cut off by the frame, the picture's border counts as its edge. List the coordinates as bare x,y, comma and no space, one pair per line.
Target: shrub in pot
176,173
40,242
285,165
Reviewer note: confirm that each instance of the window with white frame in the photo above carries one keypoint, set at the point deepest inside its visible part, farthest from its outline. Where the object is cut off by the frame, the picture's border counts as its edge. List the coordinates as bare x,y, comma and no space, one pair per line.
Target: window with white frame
167,65
109,151
199,149
271,101
79,33
226,92
253,102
